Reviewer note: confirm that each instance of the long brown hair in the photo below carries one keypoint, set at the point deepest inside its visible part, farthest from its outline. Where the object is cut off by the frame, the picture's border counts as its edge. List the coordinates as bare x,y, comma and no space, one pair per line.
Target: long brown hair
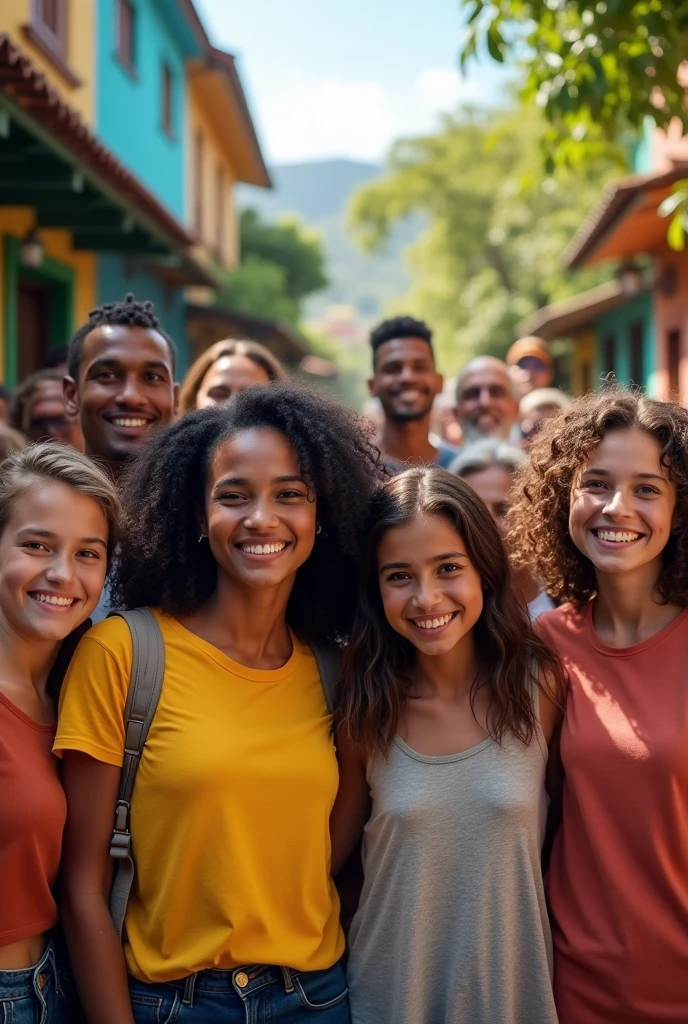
379,663
195,376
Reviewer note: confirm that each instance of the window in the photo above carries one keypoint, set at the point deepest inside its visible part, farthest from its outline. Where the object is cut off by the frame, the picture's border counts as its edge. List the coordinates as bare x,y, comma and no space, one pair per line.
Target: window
674,363
636,354
609,355
220,211
167,100
126,26
47,30
198,184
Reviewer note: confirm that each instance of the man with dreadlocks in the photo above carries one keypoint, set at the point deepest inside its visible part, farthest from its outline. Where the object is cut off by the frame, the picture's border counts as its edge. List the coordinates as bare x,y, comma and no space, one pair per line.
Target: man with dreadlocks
121,385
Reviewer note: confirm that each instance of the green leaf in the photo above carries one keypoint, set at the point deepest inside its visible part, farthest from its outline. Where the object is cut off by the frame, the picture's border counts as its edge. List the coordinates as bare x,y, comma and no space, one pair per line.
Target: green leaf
495,43
676,235
672,203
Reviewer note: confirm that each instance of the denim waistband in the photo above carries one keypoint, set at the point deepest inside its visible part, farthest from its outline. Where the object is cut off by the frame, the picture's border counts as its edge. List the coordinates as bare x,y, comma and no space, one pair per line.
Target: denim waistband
242,981
30,980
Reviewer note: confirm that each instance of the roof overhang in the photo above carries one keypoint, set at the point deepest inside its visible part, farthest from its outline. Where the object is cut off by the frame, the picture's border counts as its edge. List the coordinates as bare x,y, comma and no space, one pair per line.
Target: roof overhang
624,221
571,316
218,86
51,161
277,335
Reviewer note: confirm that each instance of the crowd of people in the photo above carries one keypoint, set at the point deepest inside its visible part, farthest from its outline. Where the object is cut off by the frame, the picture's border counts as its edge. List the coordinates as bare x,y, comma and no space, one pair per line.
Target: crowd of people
414,742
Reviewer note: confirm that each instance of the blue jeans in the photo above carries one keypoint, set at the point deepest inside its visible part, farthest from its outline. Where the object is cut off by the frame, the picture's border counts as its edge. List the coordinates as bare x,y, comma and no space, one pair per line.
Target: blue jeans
245,995
34,995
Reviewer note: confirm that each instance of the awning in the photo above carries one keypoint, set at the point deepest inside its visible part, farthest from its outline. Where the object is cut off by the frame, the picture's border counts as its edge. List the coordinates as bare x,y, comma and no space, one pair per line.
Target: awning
51,161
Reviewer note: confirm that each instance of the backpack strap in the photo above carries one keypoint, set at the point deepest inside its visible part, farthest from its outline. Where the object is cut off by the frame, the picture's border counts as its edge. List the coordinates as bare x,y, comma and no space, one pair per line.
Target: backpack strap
329,662
147,670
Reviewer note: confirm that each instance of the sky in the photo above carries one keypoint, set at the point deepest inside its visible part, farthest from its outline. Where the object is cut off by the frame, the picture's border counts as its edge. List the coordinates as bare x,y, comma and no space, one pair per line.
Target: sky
344,78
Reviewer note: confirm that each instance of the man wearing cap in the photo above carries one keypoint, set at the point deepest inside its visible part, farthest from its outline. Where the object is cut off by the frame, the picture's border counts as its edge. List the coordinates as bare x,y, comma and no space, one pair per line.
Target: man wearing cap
530,364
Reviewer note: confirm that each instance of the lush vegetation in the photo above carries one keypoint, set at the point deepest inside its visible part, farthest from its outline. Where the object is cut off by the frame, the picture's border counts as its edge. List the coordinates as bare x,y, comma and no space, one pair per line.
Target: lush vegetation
497,224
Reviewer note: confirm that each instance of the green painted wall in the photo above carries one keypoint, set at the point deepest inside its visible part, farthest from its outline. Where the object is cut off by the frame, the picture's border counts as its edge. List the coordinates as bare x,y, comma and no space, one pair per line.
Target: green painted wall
618,324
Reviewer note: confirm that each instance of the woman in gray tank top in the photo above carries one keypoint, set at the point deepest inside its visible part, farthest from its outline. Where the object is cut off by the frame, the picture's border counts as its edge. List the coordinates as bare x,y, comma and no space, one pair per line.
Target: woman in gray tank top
448,704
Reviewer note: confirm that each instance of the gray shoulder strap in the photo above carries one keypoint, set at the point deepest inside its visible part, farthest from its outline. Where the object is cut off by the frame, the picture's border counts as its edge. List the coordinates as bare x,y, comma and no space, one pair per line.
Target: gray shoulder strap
147,671
329,661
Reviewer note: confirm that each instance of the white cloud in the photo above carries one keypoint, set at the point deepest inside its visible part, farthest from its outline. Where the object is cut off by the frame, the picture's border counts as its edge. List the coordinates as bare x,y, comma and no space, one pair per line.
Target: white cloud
442,89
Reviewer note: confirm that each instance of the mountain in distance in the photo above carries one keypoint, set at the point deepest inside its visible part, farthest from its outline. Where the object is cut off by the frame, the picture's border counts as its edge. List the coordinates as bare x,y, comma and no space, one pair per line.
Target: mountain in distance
319,192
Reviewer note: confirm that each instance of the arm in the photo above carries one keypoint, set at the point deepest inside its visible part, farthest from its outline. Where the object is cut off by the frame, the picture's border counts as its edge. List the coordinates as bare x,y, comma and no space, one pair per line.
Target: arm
551,718
352,807
95,952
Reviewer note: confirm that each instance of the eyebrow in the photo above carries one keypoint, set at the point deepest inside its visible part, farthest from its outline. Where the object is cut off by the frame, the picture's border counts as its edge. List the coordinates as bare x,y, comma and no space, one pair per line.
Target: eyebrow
635,476
430,561
49,535
242,481
153,364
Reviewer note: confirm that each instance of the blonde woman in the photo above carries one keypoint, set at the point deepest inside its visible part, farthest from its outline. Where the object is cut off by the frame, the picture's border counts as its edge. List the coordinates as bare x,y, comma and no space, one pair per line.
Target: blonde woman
225,369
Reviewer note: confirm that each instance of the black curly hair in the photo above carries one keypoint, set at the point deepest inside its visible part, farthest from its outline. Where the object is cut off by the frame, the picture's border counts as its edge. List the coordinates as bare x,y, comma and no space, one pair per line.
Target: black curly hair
127,313
399,327
160,562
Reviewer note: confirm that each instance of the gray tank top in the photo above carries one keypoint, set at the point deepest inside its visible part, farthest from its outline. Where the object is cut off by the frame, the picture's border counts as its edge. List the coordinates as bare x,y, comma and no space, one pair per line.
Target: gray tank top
452,926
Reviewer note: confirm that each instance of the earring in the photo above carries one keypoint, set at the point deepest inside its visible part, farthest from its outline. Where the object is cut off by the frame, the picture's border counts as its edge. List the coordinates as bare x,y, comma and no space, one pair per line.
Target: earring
318,528
202,537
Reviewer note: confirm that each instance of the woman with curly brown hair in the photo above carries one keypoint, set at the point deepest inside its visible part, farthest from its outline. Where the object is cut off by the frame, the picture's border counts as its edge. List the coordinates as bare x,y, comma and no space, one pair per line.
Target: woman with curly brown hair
244,534
602,515
225,369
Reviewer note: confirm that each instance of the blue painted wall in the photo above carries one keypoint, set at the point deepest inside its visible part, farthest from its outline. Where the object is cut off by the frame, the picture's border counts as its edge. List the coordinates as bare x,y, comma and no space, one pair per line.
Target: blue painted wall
129,106
618,324
115,279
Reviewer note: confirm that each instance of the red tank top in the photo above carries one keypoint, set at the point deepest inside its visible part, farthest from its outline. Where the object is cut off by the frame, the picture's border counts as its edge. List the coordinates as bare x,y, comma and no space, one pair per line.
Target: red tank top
32,817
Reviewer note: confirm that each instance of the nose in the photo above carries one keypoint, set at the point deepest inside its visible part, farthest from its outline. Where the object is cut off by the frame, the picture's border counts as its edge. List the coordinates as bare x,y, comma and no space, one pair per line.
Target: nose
261,515
129,393
60,570
426,595
617,504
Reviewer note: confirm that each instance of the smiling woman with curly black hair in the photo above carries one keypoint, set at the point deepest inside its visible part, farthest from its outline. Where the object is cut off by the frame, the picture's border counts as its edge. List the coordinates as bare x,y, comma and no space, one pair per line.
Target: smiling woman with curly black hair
243,533
602,513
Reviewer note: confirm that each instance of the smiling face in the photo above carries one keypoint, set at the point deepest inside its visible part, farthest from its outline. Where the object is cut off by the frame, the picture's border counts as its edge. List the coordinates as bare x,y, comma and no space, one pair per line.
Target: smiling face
260,512
226,377
486,405
53,560
622,505
431,592
405,381
125,389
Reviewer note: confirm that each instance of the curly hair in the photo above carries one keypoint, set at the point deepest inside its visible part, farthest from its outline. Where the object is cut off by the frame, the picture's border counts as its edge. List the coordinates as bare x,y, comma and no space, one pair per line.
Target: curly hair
127,313
399,327
538,520
195,376
160,562
379,663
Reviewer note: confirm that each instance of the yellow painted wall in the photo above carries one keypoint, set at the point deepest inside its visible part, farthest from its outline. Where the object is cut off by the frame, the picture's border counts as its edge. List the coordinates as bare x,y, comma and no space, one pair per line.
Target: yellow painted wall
81,46
214,153
584,352
16,221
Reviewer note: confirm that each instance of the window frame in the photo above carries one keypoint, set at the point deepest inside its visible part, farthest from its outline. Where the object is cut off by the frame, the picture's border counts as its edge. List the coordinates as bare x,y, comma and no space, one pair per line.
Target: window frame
167,90
127,61
198,170
220,211
52,44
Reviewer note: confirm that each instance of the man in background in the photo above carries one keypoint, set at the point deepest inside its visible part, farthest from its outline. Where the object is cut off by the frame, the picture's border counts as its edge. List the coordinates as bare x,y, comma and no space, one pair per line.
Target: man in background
406,381
530,364
486,401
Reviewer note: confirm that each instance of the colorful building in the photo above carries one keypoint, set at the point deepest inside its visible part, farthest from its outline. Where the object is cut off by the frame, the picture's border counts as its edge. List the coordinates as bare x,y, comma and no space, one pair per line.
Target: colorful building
636,327
122,134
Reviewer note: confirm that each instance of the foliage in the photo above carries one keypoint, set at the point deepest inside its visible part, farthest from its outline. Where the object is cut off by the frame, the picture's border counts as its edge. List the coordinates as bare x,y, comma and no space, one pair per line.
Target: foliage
597,68
497,226
676,207
281,265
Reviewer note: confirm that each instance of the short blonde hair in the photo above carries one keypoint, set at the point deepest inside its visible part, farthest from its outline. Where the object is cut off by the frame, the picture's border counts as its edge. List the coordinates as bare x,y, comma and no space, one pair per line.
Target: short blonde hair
55,461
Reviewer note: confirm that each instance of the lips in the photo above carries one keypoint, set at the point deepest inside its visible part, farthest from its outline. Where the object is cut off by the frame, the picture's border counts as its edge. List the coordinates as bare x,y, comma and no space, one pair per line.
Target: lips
53,602
263,549
434,623
616,536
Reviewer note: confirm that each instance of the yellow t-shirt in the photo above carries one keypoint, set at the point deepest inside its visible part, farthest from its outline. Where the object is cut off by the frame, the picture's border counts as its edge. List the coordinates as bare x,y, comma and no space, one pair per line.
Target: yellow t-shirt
231,806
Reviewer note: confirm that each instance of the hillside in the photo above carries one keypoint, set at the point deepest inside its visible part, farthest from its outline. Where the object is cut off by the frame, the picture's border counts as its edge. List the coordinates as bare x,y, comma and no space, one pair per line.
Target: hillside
319,193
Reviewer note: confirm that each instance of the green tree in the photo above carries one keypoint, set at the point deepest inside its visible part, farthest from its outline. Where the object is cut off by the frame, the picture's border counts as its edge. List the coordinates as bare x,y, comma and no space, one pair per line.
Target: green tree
497,225
597,68
281,264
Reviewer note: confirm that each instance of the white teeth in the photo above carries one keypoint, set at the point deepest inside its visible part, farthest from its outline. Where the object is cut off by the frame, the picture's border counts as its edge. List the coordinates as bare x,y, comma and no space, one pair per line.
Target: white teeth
129,421
435,623
263,549
617,537
62,602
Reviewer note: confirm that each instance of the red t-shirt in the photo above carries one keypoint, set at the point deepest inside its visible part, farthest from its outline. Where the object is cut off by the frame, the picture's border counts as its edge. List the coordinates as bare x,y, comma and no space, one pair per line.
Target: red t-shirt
33,810
618,880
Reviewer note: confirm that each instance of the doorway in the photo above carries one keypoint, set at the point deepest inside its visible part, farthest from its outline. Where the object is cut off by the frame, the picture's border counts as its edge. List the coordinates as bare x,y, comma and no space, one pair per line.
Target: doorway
33,323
